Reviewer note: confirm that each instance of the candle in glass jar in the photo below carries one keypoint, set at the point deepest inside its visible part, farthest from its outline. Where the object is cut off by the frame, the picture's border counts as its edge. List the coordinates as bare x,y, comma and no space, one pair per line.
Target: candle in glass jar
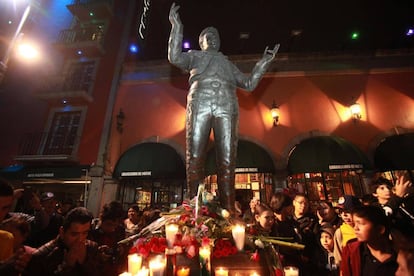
221,271
170,232
134,263
143,271
157,266
239,236
291,271
183,271
204,254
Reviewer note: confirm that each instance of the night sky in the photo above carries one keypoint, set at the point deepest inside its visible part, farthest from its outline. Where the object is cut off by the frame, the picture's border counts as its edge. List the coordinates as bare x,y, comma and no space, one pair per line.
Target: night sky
323,25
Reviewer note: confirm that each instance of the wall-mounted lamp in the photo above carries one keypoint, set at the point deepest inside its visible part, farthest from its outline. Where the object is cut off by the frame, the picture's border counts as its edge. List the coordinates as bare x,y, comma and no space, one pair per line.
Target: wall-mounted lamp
356,111
120,121
274,110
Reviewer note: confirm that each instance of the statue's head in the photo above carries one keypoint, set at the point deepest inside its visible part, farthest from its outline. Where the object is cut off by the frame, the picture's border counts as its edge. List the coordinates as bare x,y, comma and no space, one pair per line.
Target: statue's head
209,39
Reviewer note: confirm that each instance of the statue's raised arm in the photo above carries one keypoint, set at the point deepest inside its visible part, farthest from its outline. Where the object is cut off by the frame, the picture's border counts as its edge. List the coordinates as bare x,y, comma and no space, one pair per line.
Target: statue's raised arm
174,15
270,54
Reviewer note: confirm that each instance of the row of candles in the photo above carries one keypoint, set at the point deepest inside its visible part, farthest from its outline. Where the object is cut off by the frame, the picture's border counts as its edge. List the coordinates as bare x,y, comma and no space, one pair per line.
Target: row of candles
158,265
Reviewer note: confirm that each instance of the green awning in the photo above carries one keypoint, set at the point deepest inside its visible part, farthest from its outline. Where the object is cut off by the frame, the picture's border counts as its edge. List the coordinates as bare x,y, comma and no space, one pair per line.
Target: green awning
251,158
152,160
324,154
395,153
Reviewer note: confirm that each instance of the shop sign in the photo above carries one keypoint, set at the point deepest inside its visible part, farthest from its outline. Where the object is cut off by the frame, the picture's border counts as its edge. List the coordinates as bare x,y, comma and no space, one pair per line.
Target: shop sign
246,170
40,175
144,173
346,167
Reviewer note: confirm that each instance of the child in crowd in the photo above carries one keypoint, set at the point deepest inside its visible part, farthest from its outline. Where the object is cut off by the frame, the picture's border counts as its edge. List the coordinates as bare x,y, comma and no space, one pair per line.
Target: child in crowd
382,190
372,252
325,260
346,231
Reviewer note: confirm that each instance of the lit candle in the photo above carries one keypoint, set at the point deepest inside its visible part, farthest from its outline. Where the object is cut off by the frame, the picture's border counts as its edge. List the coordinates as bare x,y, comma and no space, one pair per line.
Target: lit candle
221,271
239,235
254,274
291,271
157,266
134,263
170,232
125,274
143,271
205,253
183,271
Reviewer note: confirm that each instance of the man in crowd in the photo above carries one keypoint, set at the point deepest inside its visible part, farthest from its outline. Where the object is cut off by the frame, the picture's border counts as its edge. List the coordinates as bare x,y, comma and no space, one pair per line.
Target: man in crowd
71,253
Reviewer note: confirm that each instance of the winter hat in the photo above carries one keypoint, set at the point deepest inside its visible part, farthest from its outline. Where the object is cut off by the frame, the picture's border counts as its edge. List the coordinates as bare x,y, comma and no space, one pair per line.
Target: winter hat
327,228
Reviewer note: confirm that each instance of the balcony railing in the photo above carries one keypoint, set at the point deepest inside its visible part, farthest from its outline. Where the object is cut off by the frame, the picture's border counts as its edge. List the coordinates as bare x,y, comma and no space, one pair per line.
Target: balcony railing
90,40
65,87
44,146
94,34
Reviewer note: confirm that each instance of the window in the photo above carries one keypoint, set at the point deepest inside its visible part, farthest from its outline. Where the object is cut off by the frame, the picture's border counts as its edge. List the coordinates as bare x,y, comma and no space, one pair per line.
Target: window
79,76
63,135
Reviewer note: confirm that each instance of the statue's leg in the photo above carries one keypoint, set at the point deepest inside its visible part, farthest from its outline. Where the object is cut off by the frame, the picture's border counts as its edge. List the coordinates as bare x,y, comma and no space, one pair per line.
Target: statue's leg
198,127
226,138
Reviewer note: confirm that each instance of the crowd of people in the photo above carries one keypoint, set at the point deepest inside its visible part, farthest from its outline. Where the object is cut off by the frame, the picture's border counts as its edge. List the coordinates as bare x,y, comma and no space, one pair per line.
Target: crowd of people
351,237
355,237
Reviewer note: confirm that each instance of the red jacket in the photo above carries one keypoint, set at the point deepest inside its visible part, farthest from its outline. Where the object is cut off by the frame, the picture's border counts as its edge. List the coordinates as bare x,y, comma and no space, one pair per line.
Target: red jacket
351,259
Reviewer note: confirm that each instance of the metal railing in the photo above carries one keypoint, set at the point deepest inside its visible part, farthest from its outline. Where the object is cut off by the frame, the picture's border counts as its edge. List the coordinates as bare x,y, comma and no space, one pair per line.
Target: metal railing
87,34
47,143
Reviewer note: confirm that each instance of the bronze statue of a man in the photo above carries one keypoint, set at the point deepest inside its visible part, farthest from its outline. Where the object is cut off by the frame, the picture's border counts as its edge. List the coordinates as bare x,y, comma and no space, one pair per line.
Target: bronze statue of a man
212,104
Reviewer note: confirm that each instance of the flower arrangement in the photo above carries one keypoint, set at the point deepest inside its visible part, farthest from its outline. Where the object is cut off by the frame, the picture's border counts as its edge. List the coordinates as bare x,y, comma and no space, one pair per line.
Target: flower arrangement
202,222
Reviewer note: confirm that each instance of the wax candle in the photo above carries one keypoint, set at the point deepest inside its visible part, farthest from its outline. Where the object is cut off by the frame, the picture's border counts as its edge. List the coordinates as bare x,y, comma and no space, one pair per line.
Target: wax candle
170,232
183,271
239,236
157,266
170,261
205,264
134,263
125,274
254,274
221,271
143,271
291,271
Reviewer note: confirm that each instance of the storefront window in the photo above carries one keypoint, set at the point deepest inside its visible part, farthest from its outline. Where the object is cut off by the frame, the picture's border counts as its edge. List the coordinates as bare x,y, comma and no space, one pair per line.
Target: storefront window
328,186
150,193
247,185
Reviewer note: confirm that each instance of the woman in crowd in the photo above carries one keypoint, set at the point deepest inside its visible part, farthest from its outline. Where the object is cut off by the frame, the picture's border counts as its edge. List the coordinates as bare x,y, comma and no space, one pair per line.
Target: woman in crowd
264,219
133,223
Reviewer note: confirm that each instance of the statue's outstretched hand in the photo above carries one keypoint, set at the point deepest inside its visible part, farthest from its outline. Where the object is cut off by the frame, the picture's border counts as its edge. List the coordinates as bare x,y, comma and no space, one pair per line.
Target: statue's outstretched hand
174,16
270,55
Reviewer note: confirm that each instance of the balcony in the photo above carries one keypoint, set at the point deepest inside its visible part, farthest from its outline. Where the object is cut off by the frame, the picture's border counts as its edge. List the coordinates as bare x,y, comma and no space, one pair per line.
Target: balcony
90,40
57,89
48,147
89,10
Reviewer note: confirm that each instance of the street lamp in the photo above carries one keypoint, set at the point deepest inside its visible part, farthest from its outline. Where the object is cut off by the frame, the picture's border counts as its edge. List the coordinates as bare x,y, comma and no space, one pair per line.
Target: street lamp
16,36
